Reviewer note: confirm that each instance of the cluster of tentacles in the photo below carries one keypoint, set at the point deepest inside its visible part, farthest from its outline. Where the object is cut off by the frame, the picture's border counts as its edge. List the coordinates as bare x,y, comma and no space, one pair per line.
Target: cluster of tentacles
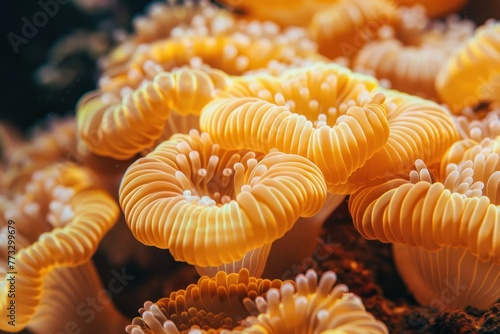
237,303
228,134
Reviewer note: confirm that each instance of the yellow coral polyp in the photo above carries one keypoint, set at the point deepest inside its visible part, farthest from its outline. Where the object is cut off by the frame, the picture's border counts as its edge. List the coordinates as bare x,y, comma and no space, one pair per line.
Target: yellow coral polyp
235,55
444,224
73,216
408,57
180,28
283,12
346,26
321,112
472,74
418,129
452,210
228,304
210,206
211,305
122,128
44,148
164,20
313,307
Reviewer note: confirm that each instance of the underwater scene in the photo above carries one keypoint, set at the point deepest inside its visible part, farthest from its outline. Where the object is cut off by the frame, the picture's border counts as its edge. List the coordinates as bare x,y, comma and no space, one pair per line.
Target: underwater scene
264,167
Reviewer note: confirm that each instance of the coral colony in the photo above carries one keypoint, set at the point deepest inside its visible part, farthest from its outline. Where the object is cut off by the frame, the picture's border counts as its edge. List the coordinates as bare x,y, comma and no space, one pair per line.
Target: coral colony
226,134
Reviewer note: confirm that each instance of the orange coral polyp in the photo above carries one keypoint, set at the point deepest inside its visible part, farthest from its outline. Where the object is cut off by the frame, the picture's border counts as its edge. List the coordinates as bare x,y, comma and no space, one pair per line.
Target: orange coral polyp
231,289
179,25
410,56
254,200
448,211
472,74
418,129
285,13
322,112
467,232
337,150
161,21
347,25
312,307
235,55
43,149
444,224
480,124
226,304
212,304
122,129
482,160
71,231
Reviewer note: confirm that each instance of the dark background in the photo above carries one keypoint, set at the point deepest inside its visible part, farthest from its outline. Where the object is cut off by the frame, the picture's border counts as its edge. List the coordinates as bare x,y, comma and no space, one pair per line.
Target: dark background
24,102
